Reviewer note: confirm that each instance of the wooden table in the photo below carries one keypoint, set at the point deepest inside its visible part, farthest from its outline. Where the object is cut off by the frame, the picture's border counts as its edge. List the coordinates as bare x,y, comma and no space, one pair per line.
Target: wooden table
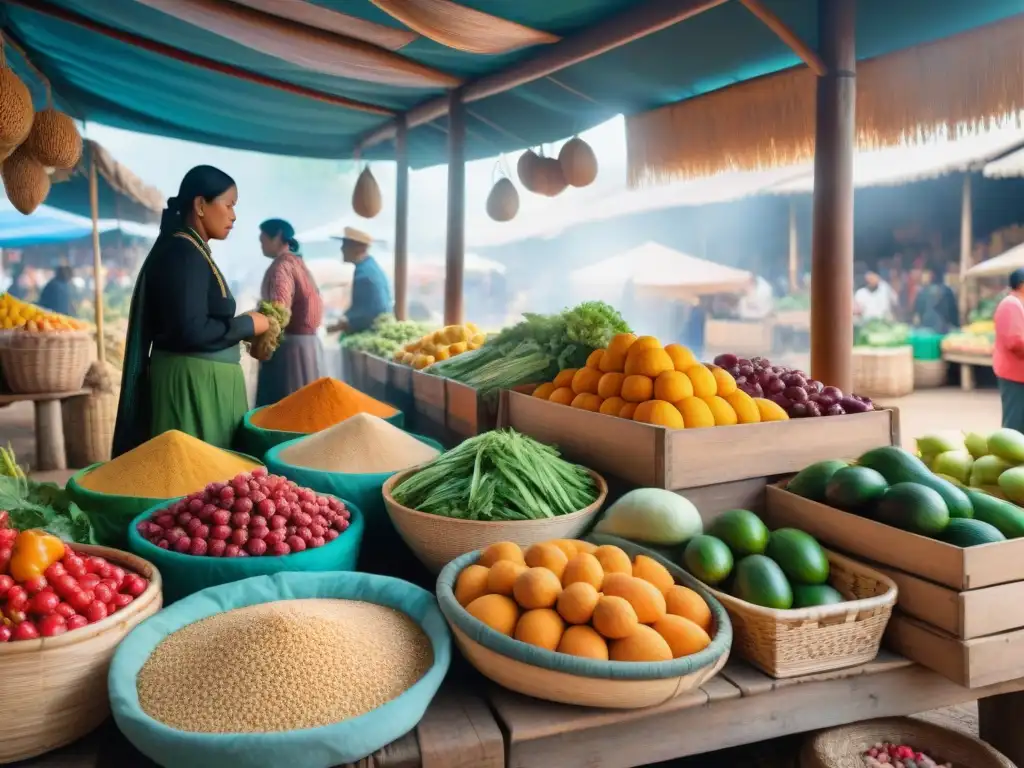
742,706
967,361
458,731
50,452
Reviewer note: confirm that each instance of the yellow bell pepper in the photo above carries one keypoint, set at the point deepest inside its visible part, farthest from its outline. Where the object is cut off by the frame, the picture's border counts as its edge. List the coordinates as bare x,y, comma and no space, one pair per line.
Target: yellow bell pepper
34,552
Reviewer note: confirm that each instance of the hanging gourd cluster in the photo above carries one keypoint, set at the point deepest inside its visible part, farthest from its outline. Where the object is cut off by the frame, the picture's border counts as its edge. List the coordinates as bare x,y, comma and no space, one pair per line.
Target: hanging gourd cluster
575,166
32,144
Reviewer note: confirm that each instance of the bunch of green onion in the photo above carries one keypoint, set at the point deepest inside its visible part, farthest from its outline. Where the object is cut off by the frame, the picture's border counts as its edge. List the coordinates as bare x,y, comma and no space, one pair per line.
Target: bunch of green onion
499,475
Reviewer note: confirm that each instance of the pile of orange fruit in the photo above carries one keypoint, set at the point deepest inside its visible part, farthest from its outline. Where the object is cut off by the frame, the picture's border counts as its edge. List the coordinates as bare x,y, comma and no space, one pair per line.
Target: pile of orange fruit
577,598
636,378
20,315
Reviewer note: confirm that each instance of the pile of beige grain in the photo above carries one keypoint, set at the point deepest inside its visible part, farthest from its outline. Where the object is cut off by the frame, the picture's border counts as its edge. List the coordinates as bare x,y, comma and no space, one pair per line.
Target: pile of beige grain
360,444
283,666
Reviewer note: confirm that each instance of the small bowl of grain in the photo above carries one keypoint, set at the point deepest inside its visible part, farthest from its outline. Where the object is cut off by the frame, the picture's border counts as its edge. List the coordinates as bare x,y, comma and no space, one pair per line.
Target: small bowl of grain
296,668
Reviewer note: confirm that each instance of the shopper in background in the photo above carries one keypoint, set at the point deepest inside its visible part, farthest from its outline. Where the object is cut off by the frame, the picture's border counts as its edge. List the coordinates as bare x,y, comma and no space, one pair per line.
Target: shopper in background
59,294
1008,355
299,360
875,300
371,296
935,304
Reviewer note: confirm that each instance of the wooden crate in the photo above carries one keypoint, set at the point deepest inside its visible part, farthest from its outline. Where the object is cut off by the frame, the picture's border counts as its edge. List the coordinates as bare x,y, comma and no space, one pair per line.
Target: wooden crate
961,568
400,392
356,362
375,380
468,414
963,614
429,404
883,372
971,663
740,337
653,456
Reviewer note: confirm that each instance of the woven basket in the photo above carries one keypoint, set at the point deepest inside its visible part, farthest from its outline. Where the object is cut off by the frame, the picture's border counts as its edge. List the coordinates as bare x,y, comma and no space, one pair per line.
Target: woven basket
437,540
41,363
806,641
553,676
56,687
929,374
89,428
883,371
843,747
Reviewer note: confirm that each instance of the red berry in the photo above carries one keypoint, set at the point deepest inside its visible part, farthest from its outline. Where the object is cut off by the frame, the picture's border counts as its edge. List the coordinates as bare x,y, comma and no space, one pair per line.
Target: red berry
5,633
81,600
256,547
103,593
302,519
66,585
25,630
215,547
120,601
232,550
317,531
96,611
17,598
274,536
239,536
195,505
183,544
77,622
193,525
267,507
118,574
184,519
5,558
6,582
331,534
220,532
227,493
240,520
259,472
52,625
258,533
54,570
207,512
221,517
163,544
198,547
65,610
89,581
43,603
296,543
317,541
35,584
278,521
256,495
165,520
340,524
242,506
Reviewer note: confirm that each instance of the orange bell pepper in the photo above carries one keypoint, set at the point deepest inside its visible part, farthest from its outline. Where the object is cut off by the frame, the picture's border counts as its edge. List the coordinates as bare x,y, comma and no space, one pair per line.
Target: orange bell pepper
34,552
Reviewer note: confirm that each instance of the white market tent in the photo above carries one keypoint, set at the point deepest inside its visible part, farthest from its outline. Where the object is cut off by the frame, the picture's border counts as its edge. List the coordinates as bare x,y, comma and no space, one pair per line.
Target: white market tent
1001,265
655,269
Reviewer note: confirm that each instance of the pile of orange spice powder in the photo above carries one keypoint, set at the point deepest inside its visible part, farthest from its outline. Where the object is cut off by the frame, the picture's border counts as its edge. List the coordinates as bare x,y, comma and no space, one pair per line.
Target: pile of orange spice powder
319,405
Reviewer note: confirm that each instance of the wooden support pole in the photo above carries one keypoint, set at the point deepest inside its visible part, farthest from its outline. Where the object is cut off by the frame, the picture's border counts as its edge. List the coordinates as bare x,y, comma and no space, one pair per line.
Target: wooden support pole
966,244
401,222
794,250
832,238
456,244
97,261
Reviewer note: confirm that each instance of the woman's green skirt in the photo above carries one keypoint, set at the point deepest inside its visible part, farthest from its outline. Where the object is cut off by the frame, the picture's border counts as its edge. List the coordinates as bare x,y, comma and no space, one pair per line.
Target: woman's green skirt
200,395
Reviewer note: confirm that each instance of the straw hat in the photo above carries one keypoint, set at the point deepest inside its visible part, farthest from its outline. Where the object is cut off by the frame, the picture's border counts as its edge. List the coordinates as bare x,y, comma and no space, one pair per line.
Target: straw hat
356,236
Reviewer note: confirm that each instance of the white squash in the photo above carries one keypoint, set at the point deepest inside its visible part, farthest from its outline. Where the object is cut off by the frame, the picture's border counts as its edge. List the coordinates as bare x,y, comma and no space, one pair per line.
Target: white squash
652,516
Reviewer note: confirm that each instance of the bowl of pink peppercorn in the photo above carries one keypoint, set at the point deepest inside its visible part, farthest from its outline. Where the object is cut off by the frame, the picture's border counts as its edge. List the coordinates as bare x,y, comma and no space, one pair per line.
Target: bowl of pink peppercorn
897,742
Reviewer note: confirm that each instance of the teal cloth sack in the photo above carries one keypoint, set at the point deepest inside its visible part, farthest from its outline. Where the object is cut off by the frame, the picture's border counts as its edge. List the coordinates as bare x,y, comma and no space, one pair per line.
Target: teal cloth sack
577,665
111,515
184,575
383,549
257,441
340,744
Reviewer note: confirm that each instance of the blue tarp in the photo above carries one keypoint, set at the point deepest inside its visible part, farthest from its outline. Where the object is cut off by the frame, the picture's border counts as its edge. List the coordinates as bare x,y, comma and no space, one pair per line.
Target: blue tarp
48,225
112,82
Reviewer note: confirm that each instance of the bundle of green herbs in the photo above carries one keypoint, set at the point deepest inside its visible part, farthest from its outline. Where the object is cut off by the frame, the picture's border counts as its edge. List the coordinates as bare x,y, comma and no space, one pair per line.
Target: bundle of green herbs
386,336
536,349
26,504
499,475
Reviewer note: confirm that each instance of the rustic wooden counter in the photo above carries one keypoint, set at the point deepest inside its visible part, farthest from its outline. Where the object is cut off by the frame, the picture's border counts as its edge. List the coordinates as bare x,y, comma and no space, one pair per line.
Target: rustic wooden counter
458,731
740,706
49,427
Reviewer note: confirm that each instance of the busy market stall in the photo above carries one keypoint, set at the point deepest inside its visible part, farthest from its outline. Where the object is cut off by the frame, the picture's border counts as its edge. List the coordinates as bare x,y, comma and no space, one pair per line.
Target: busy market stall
563,543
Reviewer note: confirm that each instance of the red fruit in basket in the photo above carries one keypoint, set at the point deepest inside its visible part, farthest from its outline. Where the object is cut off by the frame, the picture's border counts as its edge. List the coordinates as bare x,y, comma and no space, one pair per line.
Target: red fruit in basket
316,530
163,543
220,532
215,547
165,520
52,625
174,534
226,492
814,385
242,506
813,409
304,533
240,520
6,582
43,603
5,558
207,512
35,584
267,507
89,581
274,536
798,411
96,611
232,550
278,521
339,524
239,536
193,525
25,630
221,517
796,394
296,543
184,519
5,633
331,535
120,601
103,593
65,610
195,505
77,622
317,541
279,549
81,600
774,386
105,570
256,547
258,533
17,598
302,519
258,521
7,536
183,544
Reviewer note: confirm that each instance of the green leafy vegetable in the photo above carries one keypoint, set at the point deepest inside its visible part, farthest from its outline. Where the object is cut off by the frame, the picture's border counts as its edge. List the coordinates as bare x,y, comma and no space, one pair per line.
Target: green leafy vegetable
46,506
500,475
386,336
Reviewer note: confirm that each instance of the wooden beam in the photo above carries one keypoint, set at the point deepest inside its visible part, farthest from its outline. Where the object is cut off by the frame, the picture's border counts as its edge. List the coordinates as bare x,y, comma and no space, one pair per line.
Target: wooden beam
966,244
456,244
56,12
786,35
97,259
832,237
794,249
401,222
632,24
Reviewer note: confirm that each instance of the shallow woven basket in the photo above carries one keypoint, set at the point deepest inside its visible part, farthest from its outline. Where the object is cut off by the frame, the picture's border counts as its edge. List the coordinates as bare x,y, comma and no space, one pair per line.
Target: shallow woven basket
55,688
843,747
883,371
806,641
89,428
929,374
40,363
566,679
437,540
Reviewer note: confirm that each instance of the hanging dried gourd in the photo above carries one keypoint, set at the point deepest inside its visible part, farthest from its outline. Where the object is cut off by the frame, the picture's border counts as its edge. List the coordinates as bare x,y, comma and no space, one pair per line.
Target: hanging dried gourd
366,200
526,168
578,162
25,180
503,200
550,180
54,140
16,110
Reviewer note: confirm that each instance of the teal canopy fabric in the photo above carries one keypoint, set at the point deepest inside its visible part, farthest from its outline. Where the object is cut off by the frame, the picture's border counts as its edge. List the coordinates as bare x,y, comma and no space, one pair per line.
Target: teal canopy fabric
99,78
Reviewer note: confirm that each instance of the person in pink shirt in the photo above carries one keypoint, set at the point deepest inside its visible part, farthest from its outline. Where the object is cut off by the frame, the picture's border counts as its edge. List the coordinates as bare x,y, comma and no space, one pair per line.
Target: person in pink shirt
288,281
1008,357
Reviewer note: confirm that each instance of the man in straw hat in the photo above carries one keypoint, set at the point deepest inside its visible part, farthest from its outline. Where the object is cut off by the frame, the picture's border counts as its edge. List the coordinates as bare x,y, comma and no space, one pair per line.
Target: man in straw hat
371,295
